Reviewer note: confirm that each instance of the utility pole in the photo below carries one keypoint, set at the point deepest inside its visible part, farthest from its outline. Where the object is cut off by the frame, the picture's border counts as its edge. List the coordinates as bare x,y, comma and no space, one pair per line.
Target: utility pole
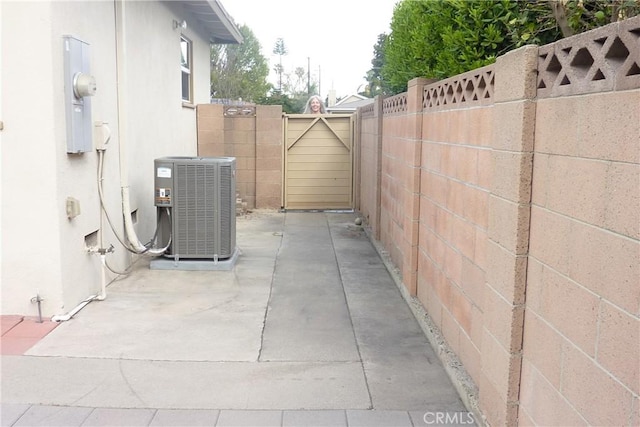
308,76
319,81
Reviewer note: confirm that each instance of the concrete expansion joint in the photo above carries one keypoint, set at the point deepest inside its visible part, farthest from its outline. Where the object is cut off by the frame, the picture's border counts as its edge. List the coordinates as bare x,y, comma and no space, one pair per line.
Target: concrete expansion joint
348,308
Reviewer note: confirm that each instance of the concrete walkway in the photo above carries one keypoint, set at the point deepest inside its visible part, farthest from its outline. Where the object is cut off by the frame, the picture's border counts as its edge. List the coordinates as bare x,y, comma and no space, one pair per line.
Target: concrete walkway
308,329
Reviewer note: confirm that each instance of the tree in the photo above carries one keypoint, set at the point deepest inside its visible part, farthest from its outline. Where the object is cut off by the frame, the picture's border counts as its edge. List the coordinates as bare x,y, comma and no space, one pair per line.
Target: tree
298,82
577,16
239,71
279,49
289,105
442,38
375,83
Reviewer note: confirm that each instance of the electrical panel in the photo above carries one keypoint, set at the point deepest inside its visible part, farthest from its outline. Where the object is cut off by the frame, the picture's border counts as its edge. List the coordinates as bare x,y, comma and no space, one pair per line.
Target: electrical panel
79,87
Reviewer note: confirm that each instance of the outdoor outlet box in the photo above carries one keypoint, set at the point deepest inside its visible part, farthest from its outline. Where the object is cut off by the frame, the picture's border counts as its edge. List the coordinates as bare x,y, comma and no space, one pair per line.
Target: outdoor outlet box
73,207
79,87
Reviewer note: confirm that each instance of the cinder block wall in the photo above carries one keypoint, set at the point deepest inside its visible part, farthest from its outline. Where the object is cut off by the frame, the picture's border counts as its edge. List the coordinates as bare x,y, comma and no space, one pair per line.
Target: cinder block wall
581,351
400,180
370,156
507,235
456,174
253,135
269,156
509,199
529,223
392,184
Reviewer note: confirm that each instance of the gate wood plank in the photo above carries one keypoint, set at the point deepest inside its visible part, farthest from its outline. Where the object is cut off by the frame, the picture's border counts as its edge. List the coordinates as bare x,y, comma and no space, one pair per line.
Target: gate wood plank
318,162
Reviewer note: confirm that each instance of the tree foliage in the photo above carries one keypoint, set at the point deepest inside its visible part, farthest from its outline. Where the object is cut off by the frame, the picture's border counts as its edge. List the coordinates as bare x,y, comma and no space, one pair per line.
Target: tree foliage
279,49
239,71
289,105
376,85
293,91
442,38
577,16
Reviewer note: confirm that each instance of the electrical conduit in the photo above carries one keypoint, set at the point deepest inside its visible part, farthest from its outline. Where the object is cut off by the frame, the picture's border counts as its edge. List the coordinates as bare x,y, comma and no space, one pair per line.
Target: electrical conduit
130,233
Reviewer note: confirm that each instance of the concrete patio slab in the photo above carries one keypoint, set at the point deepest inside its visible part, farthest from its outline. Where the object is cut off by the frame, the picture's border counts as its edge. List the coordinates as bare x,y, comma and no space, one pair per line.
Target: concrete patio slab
308,328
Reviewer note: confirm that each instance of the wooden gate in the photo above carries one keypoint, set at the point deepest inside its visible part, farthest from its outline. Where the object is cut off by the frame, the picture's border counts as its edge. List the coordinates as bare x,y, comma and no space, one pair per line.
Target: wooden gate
318,161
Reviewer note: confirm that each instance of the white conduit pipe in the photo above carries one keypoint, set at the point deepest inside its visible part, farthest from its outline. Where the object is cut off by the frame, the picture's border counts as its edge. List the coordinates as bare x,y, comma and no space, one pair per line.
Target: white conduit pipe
103,278
103,266
103,282
130,233
69,315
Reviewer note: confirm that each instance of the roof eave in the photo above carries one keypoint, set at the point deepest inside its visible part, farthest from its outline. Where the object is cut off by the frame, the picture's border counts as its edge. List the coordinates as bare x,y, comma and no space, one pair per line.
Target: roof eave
227,21
212,16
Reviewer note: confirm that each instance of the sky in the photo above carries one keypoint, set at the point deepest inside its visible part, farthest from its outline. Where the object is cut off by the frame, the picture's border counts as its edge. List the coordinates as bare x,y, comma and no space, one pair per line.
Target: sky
335,37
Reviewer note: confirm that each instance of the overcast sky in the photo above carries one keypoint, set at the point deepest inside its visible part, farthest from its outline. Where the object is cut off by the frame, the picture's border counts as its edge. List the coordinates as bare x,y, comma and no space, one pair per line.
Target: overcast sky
335,36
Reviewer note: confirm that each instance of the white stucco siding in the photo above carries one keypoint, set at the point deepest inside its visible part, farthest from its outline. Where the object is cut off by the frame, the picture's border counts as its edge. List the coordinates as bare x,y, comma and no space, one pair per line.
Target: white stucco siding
160,124
42,249
31,260
1,155
77,173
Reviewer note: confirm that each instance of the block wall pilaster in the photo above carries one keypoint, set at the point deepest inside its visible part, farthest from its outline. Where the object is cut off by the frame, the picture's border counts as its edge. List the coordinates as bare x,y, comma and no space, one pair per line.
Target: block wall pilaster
269,156
508,234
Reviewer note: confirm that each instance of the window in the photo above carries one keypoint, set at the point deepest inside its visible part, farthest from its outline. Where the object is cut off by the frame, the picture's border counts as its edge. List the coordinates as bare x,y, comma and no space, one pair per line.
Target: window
185,69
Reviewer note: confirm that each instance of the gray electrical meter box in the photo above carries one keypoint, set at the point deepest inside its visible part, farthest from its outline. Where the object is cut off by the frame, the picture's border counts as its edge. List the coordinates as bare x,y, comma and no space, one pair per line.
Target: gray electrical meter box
79,87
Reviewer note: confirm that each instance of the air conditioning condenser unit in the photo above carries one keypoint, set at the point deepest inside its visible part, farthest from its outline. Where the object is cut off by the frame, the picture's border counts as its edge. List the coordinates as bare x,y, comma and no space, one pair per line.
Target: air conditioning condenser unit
200,195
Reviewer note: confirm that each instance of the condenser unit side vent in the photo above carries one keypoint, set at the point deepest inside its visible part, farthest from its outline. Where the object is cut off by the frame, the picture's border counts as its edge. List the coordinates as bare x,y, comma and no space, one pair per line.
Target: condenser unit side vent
228,212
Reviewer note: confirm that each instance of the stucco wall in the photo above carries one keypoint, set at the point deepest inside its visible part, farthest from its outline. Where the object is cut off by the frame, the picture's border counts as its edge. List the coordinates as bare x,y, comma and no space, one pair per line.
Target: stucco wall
529,224
42,250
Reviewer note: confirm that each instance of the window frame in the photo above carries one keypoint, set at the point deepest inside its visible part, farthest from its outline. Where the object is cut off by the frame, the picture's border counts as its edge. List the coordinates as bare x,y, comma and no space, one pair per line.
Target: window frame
186,70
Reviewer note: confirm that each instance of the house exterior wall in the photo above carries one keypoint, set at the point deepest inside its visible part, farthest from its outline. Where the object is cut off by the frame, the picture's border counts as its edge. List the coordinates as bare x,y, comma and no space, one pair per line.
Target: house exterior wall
42,250
529,225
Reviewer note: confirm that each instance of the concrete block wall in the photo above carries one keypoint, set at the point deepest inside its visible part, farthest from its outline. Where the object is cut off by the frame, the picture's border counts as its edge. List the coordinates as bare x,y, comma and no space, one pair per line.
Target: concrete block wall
581,352
400,181
528,224
509,199
508,234
456,173
369,149
253,135
391,217
269,156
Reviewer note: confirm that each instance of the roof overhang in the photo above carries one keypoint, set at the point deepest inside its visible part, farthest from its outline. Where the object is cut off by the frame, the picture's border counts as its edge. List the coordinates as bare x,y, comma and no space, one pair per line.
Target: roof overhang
214,20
